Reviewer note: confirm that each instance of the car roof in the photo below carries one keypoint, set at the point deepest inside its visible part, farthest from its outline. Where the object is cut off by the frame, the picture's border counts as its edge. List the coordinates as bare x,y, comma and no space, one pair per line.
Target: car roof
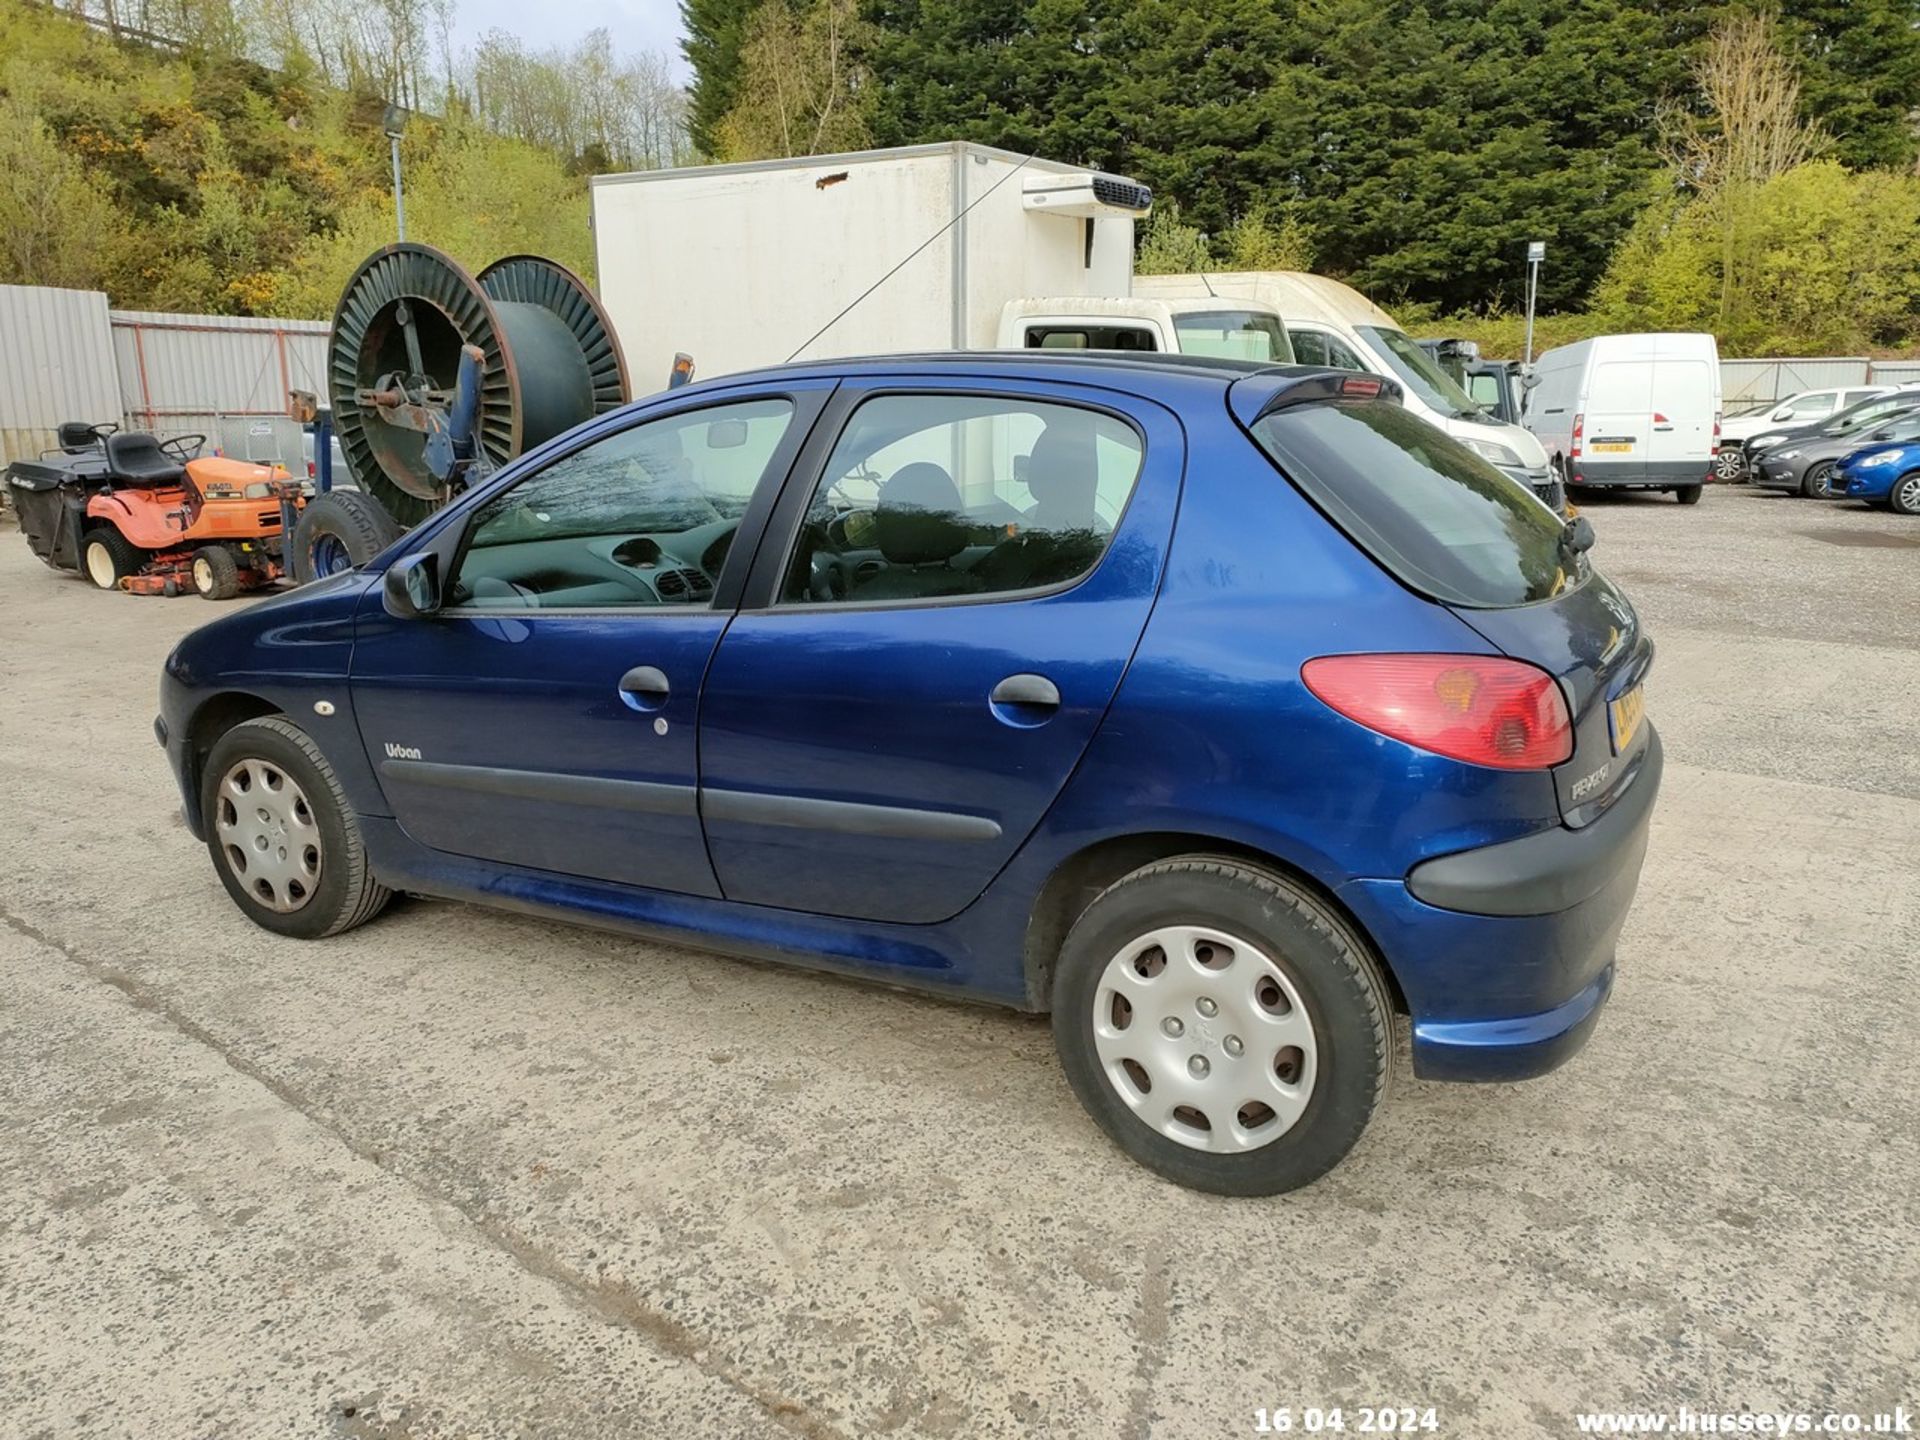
1161,376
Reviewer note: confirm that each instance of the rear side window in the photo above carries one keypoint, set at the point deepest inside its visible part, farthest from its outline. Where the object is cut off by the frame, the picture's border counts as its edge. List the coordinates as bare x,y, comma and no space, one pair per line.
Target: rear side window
1437,516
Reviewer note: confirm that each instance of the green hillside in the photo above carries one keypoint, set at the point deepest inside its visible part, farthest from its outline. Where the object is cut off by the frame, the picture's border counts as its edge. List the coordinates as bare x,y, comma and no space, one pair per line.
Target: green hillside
195,181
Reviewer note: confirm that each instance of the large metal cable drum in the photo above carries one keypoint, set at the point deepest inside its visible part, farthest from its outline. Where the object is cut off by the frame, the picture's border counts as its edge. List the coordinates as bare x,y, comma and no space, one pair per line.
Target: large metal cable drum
551,361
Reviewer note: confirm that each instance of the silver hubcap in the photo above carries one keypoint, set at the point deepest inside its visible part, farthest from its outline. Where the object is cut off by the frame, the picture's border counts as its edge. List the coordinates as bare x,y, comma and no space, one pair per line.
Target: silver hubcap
268,835
100,566
1205,1038
1727,464
1909,494
1822,482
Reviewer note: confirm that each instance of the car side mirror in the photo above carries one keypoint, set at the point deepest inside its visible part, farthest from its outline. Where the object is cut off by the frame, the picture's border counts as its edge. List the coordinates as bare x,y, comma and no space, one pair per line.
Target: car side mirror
1785,412
411,587
1529,380
1882,435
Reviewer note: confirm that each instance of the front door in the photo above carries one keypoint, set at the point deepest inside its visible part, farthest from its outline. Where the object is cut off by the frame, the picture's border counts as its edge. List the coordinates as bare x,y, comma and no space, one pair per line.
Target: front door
942,611
546,717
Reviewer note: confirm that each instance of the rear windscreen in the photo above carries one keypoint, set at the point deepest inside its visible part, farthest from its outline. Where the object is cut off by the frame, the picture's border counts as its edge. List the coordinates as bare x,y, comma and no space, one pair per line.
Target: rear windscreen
1437,516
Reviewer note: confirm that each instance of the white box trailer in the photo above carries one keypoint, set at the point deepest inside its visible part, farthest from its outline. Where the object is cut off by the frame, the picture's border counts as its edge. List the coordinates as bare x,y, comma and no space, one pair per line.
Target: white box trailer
748,265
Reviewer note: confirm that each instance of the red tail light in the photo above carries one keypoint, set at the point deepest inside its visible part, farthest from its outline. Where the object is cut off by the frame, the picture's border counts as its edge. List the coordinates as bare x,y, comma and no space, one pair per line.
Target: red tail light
1360,385
1579,431
1480,709
311,471
1716,435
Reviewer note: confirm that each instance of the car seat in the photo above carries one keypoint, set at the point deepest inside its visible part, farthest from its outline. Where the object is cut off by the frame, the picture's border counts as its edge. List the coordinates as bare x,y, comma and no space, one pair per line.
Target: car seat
919,526
1061,536
135,457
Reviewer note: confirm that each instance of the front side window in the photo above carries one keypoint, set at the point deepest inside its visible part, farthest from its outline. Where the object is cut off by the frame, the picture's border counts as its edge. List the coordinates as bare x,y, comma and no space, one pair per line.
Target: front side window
1419,373
1236,334
1433,513
933,497
1808,407
644,517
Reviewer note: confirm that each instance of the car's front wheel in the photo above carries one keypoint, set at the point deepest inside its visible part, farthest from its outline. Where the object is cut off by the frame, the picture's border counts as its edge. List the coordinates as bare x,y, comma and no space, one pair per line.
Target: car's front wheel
1817,483
1223,1025
1904,497
1729,466
284,840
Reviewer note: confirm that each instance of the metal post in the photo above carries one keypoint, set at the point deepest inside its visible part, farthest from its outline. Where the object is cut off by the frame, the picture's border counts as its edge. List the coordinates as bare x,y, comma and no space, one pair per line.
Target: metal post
1536,252
399,201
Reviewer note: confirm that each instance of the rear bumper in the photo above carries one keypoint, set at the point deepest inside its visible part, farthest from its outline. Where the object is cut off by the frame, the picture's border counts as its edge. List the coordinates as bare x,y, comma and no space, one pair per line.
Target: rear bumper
1640,474
1506,953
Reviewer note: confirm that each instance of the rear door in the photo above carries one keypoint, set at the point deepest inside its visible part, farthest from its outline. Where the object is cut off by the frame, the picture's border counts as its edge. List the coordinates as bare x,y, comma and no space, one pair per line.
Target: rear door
937,620
1619,421
1681,443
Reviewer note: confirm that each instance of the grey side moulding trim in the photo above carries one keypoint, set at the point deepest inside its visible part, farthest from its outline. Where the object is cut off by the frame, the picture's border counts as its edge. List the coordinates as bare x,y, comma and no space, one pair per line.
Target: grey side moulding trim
844,817
1545,874
641,796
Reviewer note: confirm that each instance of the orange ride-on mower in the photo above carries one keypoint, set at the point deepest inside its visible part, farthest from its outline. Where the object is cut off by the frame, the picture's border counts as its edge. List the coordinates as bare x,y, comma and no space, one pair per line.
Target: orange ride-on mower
154,517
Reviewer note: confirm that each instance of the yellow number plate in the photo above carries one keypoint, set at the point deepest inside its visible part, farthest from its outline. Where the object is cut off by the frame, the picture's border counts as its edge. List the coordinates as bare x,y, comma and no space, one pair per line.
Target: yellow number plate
1612,447
1627,712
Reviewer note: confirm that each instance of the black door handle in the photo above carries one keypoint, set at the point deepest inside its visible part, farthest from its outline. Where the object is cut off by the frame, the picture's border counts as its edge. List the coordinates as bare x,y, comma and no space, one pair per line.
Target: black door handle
644,687
1032,690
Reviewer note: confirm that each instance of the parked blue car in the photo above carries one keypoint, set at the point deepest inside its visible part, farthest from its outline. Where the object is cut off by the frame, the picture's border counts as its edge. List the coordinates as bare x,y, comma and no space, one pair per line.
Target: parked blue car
1221,711
1886,475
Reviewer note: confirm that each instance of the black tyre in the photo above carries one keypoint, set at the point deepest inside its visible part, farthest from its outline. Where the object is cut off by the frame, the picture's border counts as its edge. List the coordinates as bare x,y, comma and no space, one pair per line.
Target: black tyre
107,557
1223,1025
1904,497
282,837
216,574
1817,483
1688,494
338,531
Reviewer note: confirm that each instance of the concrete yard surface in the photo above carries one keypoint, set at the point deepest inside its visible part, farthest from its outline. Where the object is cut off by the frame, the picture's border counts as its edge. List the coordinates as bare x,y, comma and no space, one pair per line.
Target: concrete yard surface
461,1173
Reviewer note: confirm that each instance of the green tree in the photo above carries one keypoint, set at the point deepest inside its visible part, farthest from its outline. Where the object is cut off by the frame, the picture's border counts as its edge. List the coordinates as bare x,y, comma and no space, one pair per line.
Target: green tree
715,35
1170,246
55,227
798,89
1859,62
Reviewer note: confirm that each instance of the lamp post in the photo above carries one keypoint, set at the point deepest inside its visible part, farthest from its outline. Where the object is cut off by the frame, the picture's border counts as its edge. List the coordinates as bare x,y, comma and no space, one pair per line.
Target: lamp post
1536,253
395,123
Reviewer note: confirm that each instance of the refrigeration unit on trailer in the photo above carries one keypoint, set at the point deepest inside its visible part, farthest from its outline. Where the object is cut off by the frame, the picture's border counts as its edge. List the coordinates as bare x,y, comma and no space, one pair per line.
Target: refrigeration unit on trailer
1631,412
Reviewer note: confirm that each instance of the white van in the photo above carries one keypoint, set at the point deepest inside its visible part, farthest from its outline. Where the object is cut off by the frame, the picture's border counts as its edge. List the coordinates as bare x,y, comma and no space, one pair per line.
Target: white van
1333,324
1633,412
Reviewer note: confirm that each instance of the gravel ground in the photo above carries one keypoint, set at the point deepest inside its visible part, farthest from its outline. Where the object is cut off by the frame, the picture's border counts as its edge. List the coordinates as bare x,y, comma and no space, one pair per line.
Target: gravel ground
466,1174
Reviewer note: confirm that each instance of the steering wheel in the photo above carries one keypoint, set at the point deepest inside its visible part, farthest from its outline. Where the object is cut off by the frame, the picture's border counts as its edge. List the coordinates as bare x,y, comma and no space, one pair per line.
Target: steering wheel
183,447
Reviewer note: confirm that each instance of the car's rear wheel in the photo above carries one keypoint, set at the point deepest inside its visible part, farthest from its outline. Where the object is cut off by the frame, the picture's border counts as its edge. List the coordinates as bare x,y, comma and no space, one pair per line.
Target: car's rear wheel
109,557
1817,483
282,837
1688,494
1223,1025
1729,467
1904,497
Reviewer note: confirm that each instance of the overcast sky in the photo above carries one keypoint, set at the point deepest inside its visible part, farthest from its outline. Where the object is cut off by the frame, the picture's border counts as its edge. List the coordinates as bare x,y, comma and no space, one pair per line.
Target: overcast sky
635,24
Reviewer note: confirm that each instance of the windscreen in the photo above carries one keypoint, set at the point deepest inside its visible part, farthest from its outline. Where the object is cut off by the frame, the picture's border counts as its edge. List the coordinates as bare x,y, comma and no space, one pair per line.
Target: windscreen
1237,334
1437,516
1420,372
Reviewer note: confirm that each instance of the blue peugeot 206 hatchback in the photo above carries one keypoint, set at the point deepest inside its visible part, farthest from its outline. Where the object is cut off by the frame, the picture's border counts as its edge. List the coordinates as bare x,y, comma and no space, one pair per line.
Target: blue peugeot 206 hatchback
1221,711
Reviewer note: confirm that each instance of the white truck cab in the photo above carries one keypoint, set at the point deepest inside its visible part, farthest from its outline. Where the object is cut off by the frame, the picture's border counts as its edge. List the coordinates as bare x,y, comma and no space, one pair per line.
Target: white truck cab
1239,329
1332,324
